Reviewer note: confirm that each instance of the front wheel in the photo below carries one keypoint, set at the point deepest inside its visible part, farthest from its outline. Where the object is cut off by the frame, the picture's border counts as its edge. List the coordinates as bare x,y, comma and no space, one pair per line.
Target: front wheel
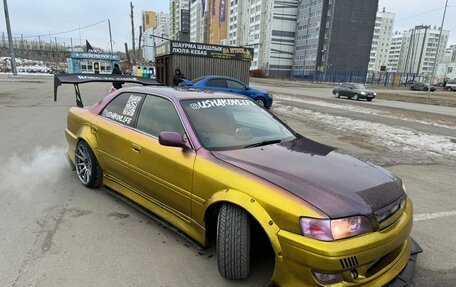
449,89
426,89
233,242
355,97
87,167
337,95
369,99
261,102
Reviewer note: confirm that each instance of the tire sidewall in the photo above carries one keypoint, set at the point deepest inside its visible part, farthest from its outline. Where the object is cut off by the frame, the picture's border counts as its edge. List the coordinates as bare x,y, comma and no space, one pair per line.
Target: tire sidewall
95,177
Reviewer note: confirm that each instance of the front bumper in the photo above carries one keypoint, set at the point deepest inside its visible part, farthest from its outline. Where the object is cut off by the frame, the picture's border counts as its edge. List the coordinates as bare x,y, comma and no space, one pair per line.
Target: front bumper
377,258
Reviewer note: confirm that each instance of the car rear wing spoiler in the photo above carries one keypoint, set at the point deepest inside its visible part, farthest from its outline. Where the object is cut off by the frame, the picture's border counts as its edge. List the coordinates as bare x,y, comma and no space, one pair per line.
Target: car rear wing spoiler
77,79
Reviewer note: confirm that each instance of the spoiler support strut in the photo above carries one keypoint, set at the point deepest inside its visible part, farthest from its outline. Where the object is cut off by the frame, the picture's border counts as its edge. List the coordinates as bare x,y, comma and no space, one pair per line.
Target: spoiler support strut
78,96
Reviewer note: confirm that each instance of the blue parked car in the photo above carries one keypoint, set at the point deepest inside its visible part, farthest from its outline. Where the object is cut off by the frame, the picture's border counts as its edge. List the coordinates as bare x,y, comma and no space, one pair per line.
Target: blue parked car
227,84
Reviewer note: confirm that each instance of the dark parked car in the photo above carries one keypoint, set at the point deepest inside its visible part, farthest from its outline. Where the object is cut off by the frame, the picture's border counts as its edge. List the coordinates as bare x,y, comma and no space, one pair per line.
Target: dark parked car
420,86
227,84
353,91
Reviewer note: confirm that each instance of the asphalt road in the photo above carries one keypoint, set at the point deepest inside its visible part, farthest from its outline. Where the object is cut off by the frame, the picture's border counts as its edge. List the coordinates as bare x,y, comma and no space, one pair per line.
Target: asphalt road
55,232
325,93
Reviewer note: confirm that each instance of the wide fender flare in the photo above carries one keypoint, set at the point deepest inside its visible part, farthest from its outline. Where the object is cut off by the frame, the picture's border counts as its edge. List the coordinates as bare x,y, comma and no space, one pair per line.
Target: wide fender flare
255,209
85,133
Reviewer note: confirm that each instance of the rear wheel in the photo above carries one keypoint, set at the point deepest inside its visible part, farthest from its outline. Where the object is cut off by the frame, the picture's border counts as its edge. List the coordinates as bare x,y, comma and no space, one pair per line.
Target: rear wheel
355,97
449,89
425,89
87,167
233,242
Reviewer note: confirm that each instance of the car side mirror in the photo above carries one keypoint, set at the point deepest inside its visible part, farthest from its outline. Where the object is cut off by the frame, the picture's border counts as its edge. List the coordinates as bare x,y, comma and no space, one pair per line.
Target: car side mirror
247,88
173,139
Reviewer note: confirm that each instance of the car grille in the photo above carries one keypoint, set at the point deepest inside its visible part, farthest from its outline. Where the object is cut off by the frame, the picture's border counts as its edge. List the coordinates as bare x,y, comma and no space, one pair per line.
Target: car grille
349,262
387,215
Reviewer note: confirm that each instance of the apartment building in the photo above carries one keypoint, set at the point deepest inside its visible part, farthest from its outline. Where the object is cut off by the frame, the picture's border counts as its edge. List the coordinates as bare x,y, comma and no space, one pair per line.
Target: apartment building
381,41
179,13
333,36
420,48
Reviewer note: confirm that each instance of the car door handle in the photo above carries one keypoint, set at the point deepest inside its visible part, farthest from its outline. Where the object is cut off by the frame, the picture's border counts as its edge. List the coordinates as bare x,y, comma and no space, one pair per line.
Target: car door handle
94,129
135,148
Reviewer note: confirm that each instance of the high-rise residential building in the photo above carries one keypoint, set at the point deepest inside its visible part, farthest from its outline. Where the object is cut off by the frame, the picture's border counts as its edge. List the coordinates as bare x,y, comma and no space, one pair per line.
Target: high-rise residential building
333,36
238,24
271,33
395,52
149,20
179,12
155,36
381,41
218,21
419,50
195,20
199,21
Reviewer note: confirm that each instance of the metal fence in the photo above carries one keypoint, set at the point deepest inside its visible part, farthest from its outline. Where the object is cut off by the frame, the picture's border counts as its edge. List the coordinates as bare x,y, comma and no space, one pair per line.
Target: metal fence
372,78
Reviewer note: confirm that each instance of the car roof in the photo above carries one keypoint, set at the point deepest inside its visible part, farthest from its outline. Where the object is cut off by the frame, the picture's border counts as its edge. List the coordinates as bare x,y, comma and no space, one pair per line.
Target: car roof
221,77
181,93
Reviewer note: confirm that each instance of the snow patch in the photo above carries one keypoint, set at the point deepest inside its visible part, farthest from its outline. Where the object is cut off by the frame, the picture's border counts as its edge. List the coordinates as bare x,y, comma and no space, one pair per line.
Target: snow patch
395,138
357,109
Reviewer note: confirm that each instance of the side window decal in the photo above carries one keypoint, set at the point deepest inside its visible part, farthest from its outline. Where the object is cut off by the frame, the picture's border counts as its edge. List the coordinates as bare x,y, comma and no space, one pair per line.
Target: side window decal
132,105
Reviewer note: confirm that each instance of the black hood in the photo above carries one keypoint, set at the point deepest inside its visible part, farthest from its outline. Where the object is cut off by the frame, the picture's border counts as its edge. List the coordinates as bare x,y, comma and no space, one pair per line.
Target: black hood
338,184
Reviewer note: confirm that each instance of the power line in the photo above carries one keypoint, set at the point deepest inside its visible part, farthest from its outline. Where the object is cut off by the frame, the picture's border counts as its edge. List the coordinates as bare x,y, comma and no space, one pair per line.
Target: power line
420,14
65,32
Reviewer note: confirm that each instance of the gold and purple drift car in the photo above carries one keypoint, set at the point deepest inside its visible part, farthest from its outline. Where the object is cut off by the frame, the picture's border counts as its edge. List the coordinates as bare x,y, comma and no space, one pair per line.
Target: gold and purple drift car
214,165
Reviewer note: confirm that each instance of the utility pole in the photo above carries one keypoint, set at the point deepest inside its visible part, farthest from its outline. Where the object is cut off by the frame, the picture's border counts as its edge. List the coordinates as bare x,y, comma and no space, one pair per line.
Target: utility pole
10,39
132,32
438,48
140,56
110,35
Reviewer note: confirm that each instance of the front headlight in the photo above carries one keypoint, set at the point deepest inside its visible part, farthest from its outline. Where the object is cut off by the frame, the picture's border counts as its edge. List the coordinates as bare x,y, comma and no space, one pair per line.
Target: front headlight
363,93
375,94
330,230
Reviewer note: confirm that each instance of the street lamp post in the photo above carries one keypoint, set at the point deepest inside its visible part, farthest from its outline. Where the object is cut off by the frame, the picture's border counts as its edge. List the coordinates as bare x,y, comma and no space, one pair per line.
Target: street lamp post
10,39
438,48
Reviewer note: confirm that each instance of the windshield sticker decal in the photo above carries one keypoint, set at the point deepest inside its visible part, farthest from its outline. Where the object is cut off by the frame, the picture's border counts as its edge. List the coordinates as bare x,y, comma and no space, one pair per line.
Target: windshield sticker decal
116,117
219,103
132,104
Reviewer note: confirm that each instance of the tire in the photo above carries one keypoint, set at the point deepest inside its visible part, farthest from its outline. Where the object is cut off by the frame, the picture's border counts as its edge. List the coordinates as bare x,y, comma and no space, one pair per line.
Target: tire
233,242
369,99
449,89
355,97
337,95
261,102
87,167
425,89
412,88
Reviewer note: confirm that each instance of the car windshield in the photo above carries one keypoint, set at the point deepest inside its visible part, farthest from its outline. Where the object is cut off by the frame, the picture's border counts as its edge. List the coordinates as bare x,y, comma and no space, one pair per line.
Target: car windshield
225,124
197,80
359,86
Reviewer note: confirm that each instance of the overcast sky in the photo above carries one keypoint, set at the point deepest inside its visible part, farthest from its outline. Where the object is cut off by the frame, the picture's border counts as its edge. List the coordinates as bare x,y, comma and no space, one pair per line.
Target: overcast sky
46,17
